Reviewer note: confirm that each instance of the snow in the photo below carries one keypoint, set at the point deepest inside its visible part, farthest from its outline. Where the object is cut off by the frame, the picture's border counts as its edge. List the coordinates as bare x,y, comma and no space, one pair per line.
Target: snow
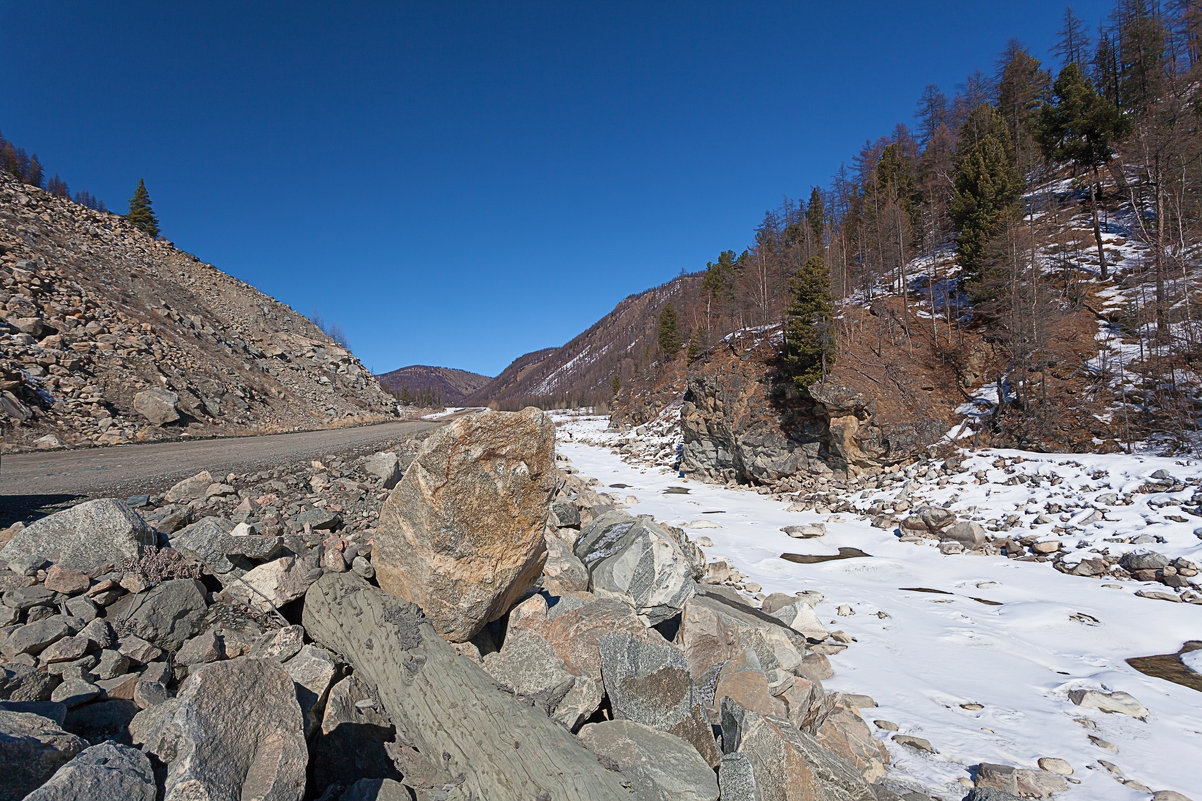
928,654
450,410
1193,661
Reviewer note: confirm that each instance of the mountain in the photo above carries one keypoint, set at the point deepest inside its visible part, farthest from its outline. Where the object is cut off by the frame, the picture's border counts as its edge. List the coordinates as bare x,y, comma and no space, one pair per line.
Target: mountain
108,336
451,386
621,343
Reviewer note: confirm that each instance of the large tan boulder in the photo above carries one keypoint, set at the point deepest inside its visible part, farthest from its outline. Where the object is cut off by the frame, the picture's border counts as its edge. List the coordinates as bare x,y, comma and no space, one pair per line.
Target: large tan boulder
462,535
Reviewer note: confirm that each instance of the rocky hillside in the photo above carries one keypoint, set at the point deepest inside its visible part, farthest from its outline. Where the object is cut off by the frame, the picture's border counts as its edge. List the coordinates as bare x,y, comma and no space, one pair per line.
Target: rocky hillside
580,373
449,385
303,636
109,336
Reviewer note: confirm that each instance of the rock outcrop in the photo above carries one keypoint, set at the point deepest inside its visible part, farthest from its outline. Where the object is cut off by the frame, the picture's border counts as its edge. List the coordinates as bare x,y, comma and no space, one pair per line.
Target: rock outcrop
743,423
462,534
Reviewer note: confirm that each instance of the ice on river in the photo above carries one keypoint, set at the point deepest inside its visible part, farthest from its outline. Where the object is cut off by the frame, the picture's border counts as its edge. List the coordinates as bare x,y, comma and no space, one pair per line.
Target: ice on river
930,654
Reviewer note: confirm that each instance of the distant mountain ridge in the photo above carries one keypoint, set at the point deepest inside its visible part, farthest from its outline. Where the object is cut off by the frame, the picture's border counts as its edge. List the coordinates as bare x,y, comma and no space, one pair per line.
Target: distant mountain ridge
452,386
580,373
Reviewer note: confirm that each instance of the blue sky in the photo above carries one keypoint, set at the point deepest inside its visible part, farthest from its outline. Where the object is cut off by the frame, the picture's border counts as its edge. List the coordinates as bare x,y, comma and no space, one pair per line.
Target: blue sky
459,183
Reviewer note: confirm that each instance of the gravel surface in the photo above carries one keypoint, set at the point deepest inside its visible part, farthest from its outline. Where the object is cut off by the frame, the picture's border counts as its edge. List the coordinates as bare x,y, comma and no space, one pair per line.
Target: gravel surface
37,482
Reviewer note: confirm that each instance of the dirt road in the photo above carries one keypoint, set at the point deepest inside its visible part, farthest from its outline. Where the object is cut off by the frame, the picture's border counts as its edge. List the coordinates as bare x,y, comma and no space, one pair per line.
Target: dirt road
32,482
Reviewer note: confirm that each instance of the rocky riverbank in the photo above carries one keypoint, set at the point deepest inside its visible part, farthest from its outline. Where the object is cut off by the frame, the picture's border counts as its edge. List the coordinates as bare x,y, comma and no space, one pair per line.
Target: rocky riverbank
293,637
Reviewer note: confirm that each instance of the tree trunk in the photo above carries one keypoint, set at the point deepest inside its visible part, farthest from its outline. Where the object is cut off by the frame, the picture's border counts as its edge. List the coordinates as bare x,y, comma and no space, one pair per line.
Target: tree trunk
1097,228
446,706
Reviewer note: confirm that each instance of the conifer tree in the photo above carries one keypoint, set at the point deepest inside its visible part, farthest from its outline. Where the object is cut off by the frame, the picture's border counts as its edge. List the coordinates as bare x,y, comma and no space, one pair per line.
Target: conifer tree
669,332
615,385
140,212
1080,126
986,185
809,350
816,217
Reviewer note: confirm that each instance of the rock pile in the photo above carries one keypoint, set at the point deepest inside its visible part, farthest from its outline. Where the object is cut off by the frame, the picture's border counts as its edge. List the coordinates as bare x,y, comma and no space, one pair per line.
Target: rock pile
231,642
109,336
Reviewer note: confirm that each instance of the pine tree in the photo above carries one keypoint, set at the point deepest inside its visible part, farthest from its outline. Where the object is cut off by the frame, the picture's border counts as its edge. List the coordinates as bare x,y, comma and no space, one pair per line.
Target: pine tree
1081,126
615,385
140,212
986,185
809,350
696,344
816,217
669,332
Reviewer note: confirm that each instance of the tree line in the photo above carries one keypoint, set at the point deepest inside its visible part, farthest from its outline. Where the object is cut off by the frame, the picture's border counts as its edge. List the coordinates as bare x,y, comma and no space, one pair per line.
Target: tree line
978,198
27,168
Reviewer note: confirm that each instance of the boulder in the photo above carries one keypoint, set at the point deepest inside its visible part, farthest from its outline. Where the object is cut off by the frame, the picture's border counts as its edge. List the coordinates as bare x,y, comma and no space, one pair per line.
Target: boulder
386,466
640,562
378,790
159,406
202,541
574,627
563,567
714,629
165,615
528,667
354,734
269,586
802,618
650,684
965,532
313,670
1022,782
446,706
783,762
1120,702
190,488
105,772
236,732
85,537
661,766
461,535
844,733
32,748
742,679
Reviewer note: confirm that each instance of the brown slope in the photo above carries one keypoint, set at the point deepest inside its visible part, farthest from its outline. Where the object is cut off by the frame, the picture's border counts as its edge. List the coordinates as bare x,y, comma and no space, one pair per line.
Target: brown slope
94,312
621,343
451,386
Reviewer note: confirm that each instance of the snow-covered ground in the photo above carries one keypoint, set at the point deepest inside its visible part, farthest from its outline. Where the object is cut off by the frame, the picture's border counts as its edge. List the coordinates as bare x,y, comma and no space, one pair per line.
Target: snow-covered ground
925,657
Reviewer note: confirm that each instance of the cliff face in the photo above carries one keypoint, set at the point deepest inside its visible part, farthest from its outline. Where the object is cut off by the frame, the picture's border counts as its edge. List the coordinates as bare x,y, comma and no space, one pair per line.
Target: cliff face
109,336
741,421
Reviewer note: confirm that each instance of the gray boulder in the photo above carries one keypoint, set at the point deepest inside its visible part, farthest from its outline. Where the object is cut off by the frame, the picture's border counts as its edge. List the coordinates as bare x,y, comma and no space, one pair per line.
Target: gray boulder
661,766
528,666
166,614
650,684
190,488
714,629
32,748
236,732
202,541
965,532
159,406
640,562
84,537
385,466
354,738
313,671
105,772
783,762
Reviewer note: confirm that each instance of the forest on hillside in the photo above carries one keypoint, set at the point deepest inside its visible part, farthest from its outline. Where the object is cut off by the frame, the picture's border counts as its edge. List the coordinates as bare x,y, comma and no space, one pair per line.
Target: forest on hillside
1034,197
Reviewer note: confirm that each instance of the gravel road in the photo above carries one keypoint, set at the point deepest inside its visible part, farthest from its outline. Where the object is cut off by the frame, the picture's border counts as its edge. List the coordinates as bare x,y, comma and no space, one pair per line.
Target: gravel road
32,482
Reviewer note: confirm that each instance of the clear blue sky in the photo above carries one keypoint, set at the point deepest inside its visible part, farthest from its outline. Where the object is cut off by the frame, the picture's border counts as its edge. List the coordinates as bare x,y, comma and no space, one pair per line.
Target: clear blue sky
459,183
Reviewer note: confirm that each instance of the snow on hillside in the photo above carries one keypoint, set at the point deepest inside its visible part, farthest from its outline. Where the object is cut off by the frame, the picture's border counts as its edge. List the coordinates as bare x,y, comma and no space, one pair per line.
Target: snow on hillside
975,653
